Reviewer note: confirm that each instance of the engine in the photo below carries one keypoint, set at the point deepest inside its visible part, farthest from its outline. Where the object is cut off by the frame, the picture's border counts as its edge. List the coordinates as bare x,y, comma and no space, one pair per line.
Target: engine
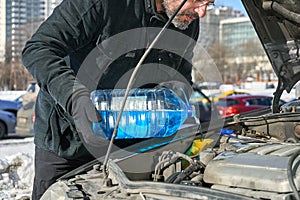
259,170
233,167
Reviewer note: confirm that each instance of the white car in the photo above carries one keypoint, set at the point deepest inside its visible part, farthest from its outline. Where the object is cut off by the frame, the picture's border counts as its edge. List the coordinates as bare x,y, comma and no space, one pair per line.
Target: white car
26,114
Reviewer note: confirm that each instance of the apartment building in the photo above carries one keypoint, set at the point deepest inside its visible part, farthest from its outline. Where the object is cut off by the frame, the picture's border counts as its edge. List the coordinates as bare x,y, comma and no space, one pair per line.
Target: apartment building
244,50
18,20
2,30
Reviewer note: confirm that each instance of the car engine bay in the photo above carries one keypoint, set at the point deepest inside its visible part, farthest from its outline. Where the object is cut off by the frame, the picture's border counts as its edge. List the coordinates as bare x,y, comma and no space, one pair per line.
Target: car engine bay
238,164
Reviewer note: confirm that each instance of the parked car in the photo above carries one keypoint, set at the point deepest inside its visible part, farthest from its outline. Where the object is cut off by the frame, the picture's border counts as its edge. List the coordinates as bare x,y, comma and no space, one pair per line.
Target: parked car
19,100
217,96
10,106
245,157
26,114
237,104
7,123
206,109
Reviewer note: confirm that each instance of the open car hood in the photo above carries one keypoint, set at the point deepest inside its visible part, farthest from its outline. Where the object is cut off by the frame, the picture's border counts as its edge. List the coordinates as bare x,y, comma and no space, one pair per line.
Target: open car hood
277,23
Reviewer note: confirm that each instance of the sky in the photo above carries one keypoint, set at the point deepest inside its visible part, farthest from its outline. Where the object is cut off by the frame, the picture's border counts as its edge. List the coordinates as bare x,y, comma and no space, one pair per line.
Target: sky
236,4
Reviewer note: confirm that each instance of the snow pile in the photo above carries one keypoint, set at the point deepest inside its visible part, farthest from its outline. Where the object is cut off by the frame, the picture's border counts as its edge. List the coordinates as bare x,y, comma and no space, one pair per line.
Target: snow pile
16,172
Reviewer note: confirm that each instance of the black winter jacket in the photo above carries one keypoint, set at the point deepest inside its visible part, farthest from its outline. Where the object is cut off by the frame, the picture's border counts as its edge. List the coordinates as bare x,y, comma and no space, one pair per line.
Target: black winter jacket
57,51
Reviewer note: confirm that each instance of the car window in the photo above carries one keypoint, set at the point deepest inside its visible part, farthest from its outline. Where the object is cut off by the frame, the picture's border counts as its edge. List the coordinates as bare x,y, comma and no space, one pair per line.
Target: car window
259,101
266,101
225,103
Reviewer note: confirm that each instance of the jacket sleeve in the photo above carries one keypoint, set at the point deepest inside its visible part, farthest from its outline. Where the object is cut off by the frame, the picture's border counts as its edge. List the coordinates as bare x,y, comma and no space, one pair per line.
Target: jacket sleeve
72,25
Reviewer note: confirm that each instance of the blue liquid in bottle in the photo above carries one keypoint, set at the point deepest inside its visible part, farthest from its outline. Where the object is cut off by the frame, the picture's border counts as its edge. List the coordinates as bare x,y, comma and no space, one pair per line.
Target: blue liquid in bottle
147,113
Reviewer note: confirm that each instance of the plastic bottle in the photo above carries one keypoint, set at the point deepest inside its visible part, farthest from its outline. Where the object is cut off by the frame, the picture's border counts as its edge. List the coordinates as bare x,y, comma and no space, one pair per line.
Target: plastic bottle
155,112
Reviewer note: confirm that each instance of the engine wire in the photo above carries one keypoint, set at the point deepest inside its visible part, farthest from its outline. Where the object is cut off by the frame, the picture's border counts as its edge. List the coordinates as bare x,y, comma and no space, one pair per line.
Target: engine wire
171,157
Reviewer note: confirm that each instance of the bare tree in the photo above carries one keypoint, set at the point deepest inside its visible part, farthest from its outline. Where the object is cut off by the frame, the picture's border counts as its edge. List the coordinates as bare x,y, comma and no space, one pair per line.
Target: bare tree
235,64
13,75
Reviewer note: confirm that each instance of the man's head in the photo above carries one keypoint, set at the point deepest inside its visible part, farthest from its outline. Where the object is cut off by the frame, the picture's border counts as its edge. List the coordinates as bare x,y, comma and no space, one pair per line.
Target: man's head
191,10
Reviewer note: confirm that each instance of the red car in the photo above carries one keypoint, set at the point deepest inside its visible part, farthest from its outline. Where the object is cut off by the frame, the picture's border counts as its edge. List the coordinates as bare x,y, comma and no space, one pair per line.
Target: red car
236,104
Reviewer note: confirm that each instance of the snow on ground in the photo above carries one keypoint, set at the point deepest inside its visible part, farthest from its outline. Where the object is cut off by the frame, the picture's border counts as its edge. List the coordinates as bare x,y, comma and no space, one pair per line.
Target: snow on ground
16,162
16,168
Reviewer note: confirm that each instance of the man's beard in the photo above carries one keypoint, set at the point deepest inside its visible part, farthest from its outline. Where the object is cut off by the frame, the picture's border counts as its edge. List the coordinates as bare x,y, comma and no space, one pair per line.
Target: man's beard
181,24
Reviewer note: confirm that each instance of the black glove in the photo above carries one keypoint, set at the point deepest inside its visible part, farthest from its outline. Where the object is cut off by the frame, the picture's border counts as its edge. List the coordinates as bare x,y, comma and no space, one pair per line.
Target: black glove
84,113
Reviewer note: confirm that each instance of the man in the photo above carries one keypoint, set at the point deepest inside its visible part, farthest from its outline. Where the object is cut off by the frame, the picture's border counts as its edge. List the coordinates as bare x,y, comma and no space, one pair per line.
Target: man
55,56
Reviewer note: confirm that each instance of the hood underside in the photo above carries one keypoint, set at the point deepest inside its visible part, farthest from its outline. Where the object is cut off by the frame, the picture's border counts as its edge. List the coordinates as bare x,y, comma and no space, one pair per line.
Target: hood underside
277,23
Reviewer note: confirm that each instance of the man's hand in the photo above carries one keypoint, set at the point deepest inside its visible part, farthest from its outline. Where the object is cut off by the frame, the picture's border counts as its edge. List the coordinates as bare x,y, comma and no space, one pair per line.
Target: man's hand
84,114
